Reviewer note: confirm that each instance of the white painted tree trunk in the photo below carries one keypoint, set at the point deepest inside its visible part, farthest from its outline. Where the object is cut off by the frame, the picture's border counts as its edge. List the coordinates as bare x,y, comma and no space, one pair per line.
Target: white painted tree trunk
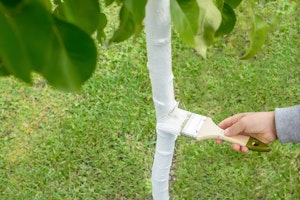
158,33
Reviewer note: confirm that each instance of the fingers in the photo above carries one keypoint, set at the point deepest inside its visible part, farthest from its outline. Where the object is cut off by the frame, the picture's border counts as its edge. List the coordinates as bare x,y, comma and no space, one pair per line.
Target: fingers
239,148
230,121
233,126
236,147
218,141
235,129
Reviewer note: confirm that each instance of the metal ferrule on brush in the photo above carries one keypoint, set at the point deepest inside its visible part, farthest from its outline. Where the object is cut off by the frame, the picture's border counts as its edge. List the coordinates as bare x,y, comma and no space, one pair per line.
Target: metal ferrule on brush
193,125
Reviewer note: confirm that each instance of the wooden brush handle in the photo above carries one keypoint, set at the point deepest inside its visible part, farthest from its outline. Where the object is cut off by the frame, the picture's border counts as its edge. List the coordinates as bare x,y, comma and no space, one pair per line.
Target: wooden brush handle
209,130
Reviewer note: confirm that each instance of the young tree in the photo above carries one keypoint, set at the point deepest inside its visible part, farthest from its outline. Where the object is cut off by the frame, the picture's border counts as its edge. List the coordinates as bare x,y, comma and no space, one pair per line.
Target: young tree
43,35
197,22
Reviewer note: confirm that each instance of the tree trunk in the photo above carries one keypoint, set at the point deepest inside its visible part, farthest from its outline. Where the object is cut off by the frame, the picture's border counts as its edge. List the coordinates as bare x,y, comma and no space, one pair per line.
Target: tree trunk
158,33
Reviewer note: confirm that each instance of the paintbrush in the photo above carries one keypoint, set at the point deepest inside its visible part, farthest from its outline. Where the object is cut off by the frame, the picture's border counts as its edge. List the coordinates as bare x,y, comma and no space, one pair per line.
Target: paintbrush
202,128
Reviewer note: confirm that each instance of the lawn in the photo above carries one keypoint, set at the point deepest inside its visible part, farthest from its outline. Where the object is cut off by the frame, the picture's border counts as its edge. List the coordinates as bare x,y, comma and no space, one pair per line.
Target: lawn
99,143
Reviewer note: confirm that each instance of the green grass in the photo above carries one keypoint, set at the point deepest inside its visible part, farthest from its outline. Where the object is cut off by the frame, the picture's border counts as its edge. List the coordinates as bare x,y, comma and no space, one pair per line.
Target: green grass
99,143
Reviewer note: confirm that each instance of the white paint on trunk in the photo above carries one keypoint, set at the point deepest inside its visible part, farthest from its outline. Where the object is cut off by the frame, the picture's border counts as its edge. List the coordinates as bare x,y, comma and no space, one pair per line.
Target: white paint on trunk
169,117
158,32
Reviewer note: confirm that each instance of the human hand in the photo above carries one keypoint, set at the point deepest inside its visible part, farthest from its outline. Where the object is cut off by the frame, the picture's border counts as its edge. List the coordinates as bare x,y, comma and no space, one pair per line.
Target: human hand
259,125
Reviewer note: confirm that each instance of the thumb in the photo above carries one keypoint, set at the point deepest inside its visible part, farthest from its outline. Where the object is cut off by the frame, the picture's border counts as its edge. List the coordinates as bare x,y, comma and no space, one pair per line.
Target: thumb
235,129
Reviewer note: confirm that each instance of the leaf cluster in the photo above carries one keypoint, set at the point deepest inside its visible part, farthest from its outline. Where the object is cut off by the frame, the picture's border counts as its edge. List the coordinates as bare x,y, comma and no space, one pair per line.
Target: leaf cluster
55,37
198,22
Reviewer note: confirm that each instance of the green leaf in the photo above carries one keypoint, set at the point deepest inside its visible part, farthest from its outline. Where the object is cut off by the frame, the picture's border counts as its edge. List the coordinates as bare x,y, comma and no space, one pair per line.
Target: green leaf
34,25
209,21
219,4
108,2
100,30
258,35
185,19
196,21
137,9
10,3
126,28
70,62
56,2
13,50
47,4
131,18
84,14
33,39
228,20
233,3
3,70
